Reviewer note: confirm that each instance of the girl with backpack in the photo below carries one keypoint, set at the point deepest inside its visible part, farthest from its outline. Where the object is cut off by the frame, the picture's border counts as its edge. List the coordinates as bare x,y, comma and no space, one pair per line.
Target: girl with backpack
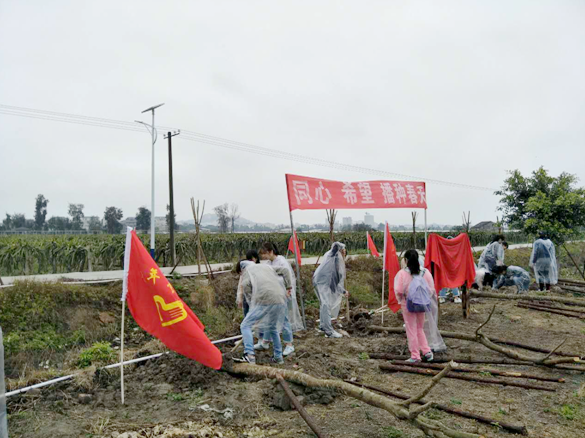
414,287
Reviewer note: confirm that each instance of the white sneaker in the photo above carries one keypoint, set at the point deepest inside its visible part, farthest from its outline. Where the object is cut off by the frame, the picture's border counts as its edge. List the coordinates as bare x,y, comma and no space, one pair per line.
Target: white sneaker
441,300
334,335
457,300
261,345
289,349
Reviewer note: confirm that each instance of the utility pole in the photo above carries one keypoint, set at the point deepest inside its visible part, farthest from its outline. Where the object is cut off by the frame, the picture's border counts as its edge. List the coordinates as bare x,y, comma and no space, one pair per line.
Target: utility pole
169,136
153,135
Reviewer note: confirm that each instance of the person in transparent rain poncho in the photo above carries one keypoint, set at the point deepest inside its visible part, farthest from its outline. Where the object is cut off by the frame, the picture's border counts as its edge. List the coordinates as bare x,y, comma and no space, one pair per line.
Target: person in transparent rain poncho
292,321
544,262
252,257
512,276
267,297
492,256
329,284
422,330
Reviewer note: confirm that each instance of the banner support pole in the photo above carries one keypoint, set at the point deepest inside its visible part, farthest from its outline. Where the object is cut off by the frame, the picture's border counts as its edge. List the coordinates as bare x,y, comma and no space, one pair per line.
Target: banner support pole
299,287
426,232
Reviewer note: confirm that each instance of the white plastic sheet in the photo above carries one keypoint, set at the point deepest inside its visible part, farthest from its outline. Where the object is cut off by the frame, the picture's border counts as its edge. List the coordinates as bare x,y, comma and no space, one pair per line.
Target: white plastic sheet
544,262
294,316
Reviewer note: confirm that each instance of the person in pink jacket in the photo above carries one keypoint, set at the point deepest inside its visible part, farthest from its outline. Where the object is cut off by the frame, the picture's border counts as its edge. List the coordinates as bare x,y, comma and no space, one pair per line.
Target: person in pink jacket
414,322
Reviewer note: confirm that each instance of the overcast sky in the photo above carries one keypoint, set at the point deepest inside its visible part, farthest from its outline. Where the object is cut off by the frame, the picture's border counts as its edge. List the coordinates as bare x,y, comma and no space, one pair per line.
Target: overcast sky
459,91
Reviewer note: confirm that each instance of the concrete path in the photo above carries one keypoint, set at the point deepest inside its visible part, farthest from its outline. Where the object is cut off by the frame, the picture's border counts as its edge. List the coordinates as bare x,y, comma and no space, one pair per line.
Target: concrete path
106,276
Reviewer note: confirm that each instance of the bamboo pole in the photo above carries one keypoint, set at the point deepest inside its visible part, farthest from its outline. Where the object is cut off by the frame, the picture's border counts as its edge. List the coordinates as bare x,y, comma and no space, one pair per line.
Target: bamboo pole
549,310
465,360
500,296
502,373
426,372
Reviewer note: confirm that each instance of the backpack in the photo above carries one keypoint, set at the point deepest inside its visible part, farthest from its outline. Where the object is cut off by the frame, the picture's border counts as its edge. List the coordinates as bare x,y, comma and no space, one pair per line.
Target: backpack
419,295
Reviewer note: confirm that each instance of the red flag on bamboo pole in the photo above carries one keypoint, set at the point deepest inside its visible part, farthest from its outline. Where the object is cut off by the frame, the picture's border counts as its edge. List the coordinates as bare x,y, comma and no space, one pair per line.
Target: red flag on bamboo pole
295,250
158,309
391,265
372,246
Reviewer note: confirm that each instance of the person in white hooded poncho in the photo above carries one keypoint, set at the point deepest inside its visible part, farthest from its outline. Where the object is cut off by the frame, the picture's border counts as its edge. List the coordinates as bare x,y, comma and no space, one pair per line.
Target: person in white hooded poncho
329,284
292,321
544,262
267,297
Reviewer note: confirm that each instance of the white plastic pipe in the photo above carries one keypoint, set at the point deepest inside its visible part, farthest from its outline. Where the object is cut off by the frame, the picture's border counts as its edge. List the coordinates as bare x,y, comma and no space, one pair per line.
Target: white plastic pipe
128,362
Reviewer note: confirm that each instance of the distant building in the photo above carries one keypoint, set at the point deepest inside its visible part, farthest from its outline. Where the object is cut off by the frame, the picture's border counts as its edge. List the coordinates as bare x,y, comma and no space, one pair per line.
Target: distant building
486,226
347,222
369,220
129,222
85,221
160,223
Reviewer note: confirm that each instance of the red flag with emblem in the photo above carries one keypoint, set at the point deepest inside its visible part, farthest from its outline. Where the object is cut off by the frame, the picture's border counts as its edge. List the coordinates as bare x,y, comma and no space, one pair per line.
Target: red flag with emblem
291,247
158,309
372,246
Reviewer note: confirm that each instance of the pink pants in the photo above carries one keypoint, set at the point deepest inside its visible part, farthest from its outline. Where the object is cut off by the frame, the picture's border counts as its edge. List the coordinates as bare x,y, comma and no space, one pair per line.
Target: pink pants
417,341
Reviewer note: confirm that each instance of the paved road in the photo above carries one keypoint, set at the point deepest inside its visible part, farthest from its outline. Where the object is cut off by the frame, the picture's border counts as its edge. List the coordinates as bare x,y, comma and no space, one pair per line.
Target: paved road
103,276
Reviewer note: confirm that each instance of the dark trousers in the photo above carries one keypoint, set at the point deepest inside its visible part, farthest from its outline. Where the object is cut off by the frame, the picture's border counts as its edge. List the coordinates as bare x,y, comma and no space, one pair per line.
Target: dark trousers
542,286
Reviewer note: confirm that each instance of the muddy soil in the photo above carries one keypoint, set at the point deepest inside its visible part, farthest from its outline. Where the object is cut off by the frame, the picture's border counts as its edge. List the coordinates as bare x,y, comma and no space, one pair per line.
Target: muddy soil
175,397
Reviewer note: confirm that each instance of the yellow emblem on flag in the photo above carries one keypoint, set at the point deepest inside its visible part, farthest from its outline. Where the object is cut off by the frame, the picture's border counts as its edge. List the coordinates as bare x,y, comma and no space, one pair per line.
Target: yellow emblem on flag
170,313
153,275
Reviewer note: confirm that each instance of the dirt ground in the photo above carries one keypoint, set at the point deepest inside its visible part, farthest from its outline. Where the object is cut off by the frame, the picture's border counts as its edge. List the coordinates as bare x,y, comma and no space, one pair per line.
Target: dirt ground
174,397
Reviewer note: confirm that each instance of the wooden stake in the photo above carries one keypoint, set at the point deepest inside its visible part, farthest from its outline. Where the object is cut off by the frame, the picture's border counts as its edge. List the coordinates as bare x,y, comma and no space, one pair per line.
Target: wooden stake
303,413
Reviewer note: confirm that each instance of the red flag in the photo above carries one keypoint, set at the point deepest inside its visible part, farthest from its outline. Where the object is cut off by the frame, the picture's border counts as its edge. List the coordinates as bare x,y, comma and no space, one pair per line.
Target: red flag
291,247
391,265
372,246
158,309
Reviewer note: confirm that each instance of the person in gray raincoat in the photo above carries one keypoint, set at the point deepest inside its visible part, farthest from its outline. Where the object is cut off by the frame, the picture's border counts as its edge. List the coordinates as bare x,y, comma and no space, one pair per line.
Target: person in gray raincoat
544,262
329,283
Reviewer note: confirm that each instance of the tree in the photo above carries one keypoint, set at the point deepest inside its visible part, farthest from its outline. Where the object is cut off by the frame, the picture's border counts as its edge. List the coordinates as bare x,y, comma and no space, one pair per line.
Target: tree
40,212
168,219
57,223
94,225
112,215
542,202
18,220
223,217
143,219
234,216
7,223
362,227
76,213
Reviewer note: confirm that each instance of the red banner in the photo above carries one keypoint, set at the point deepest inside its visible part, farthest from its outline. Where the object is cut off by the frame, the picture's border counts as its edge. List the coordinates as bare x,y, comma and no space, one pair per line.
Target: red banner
306,193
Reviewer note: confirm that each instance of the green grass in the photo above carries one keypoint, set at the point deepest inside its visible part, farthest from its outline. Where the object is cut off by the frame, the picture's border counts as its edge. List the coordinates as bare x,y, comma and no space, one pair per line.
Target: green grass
98,354
364,356
456,402
392,432
568,412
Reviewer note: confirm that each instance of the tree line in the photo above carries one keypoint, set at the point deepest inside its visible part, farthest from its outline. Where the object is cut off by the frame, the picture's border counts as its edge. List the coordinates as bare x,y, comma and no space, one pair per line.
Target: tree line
109,223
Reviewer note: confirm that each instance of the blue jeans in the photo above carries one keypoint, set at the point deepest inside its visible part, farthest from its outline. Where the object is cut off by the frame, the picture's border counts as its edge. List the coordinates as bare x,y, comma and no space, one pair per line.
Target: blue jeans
287,334
445,291
256,314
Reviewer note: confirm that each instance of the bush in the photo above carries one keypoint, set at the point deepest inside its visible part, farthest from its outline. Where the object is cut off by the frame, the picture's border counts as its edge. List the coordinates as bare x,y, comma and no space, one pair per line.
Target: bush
100,353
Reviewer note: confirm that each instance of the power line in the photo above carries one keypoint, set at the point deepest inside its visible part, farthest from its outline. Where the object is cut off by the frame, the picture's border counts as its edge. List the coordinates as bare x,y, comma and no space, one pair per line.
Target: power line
216,141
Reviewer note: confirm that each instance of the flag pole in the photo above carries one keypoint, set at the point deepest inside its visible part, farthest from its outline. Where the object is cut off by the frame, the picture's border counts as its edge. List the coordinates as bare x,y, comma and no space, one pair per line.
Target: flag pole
426,232
122,351
384,267
297,253
127,249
